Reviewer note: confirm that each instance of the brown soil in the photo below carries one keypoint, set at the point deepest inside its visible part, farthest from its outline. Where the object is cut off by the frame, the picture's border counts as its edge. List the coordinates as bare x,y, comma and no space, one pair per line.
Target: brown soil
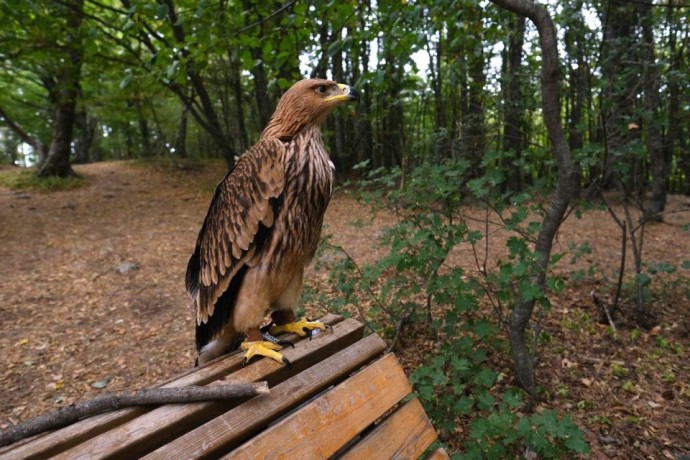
92,295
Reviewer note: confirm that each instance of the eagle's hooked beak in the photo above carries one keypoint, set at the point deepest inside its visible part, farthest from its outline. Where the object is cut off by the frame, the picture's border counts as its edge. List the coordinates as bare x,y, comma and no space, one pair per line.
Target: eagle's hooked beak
348,94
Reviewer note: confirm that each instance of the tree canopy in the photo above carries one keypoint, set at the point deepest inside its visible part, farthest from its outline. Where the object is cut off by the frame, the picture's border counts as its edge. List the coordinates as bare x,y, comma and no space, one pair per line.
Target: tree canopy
440,79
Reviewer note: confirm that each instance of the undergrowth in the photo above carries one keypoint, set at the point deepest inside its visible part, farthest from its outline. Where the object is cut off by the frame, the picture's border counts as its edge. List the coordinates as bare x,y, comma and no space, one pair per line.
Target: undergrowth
26,179
457,382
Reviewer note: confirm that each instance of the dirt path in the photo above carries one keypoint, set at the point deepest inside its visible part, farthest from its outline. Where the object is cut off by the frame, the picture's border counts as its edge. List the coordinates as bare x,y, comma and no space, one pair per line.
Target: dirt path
92,297
92,289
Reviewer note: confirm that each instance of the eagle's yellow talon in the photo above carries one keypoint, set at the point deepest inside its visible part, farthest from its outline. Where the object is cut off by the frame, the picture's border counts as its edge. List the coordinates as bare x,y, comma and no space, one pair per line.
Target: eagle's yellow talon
263,348
301,327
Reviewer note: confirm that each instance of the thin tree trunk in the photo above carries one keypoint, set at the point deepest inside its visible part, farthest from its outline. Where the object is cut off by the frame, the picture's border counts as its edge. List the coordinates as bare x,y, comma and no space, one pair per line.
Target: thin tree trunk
86,133
567,185
514,102
660,149
211,122
473,133
340,158
363,129
181,138
621,55
238,95
577,88
144,133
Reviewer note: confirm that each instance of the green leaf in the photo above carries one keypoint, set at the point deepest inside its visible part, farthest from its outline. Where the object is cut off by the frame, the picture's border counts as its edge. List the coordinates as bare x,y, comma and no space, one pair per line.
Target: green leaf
485,378
335,47
513,398
125,82
463,406
162,11
529,291
485,401
484,329
200,9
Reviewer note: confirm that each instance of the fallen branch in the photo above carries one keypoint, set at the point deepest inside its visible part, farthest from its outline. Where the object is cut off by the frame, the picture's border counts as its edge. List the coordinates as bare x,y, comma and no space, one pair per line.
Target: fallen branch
113,401
603,308
398,329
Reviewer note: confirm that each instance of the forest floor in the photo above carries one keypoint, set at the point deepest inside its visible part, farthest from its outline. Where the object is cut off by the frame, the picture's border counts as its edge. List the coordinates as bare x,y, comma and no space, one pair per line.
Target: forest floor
92,299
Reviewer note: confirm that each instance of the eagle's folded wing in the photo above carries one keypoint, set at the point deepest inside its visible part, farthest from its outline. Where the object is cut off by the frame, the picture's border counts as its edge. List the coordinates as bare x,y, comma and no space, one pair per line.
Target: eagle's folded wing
237,225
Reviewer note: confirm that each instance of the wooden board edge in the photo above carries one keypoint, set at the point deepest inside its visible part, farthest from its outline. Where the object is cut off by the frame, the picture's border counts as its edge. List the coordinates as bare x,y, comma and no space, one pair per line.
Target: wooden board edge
405,433
148,432
227,431
58,441
310,432
438,454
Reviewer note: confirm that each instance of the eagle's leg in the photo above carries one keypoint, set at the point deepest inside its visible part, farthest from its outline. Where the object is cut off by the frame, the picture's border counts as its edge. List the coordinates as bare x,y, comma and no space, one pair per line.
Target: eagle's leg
263,344
285,321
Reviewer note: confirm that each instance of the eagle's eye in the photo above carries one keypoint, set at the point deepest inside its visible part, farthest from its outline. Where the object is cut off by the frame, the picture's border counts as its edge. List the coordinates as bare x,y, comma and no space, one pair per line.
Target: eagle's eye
321,89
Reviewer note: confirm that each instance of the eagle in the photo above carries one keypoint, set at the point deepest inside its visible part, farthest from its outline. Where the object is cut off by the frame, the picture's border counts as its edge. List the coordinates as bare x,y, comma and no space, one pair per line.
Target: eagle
262,229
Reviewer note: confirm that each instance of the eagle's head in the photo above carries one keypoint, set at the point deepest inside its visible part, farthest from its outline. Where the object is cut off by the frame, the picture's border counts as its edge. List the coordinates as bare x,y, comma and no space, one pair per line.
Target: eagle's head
307,103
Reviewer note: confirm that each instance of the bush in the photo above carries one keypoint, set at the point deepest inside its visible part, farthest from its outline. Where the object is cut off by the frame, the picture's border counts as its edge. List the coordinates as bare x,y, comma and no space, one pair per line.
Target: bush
413,282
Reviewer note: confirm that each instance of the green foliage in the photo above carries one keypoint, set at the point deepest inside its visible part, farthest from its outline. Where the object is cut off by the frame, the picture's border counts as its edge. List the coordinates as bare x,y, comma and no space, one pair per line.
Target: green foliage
415,283
26,179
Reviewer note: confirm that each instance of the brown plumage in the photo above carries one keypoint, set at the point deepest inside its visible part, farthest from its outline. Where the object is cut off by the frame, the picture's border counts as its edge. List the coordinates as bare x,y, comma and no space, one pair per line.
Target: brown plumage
264,223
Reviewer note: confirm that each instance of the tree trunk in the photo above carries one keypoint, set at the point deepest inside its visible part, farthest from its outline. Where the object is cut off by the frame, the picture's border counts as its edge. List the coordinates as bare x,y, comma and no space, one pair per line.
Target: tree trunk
238,95
86,133
66,91
364,142
567,185
181,137
473,133
673,134
209,121
144,134
441,131
577,70
655,141
514,102
260,81
621,71
340,157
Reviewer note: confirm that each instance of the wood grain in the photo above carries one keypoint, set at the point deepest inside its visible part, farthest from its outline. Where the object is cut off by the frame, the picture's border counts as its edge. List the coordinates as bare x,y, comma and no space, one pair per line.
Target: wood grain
406,433
438,454
163,424
53,443
232,428
323,426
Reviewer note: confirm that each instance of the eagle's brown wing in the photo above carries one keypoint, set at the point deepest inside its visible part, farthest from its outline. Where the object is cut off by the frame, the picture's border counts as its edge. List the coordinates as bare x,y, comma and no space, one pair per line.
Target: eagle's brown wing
237,225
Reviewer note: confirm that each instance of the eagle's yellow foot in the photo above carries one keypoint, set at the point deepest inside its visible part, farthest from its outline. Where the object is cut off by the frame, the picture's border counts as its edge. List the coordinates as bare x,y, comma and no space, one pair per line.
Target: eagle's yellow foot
302,327
263,348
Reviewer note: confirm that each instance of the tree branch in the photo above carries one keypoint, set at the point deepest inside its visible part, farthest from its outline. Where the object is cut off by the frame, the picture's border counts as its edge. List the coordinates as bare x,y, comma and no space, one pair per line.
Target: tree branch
23,135
267,18
113,401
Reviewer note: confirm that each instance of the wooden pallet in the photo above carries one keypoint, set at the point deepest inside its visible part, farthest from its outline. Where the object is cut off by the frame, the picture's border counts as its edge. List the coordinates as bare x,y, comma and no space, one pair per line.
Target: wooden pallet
342,398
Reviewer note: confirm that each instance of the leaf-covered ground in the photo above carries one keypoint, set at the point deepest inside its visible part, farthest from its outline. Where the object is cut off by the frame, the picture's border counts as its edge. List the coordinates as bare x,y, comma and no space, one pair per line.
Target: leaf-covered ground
92,299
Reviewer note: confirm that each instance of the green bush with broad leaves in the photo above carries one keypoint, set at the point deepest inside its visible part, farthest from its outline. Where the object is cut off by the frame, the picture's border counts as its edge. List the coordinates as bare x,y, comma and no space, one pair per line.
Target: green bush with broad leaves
414,282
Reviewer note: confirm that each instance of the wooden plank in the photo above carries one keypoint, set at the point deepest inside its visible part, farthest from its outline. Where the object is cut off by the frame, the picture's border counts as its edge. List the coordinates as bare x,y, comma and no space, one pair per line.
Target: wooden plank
212,370
438,454
323,426
155,428
60,440
235,426
406,433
